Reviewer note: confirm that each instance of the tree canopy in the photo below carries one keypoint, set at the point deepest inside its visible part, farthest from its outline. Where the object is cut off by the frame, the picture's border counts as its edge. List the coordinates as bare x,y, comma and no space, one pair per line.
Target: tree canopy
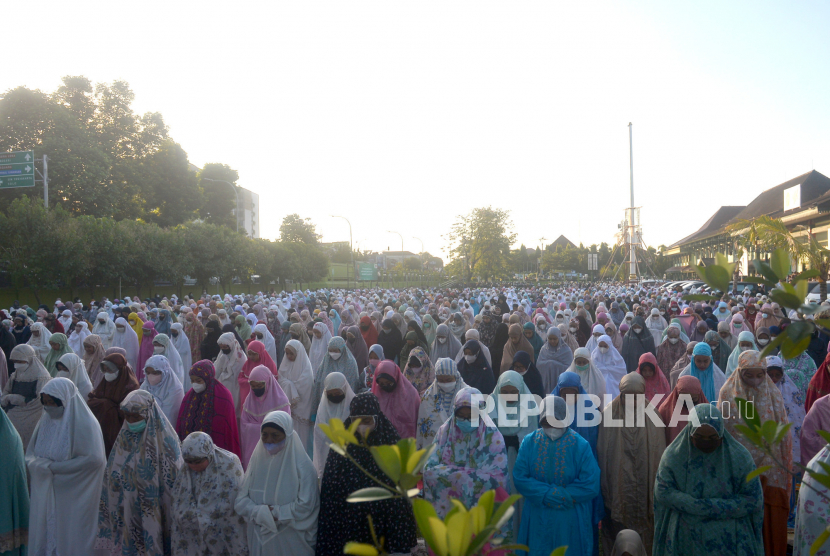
300,230
479,244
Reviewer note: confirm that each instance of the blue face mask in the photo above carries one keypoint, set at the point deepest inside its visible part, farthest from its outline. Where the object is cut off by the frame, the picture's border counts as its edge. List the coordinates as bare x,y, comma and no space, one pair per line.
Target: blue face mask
465,426
137,427
274,449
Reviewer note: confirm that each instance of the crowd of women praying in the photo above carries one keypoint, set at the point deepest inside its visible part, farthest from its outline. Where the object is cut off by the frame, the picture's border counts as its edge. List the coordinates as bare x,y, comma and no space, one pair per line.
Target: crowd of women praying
192,426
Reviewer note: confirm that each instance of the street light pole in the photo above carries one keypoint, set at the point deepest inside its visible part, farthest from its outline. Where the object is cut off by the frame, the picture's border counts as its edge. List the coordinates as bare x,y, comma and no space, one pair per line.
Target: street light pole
351,250
235,192
393,232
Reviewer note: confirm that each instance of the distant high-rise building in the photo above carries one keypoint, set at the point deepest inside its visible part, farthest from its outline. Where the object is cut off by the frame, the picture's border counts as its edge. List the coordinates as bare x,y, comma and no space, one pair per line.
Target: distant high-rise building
248,217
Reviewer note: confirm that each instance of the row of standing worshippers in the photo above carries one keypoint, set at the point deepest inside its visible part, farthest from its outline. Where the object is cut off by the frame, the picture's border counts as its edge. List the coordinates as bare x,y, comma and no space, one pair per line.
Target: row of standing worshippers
482,453
520,367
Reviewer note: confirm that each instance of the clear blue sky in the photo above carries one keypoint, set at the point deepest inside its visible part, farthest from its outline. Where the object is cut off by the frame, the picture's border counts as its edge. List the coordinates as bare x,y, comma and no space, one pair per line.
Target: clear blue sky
402,115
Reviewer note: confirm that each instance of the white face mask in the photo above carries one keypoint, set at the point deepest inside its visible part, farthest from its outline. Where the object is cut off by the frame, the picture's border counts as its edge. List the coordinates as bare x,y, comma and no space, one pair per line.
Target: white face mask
764,315
572,329
199,388
442,340
120,329
446,386
637,329
673,340
153,379
158,350
62,374
109,377
762,342
334,355
470,358
603,350
553,434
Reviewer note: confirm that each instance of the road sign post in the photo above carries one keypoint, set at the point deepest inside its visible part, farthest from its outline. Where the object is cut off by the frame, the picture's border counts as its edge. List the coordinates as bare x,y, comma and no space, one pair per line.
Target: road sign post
17,169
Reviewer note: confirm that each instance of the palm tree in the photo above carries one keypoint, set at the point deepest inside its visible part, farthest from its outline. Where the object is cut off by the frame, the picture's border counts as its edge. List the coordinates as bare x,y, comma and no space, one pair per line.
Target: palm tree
771,233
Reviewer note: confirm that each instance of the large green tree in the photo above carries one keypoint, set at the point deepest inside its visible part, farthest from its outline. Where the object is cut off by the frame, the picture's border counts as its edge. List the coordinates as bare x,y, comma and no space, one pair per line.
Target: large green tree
295,229
480,242
218,199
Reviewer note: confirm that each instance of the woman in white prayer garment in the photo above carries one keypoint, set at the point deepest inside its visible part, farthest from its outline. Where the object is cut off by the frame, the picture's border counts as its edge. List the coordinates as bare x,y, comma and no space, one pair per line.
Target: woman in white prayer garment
279,497
66,465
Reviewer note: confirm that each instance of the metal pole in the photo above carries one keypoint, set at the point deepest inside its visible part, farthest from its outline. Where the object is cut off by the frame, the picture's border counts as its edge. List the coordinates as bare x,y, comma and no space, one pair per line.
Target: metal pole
45,181
631,223
235,192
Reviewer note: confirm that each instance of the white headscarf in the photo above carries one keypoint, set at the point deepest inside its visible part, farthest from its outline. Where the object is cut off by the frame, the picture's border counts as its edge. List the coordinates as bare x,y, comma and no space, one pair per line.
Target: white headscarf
169,393
287,481
182,374
267,339
229,366
76,372
66,319
64,512
76,340
182,345
106,329
326,411
611,364
297,381
592,379
128,340
40,343
319,347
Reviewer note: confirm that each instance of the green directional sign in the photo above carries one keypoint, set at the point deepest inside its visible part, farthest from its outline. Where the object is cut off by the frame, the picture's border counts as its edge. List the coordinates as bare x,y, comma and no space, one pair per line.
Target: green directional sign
17,169
367,272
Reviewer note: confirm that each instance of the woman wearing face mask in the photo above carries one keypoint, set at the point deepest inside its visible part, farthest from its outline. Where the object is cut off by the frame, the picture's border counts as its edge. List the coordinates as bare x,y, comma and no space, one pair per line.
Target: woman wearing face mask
629,457
333,405
125,337
181,345
206,487
66,462
487,328
516,342
636,342
278,497
162,383
655,379
704,369
703,503
510,414
242,327
298,332
554,358
445,345
746,342
137,492
682,363
436,401
72,367
40,341
750,382
146,349
793,401
266,396
338,359
558,477
592,379
229,365
21,394
609,362
161,346
94,354
688,387
524,366
720,349
766,318
800,370
104,328
536,341
208,407
474,369
59,346
297,381
341,521
105,400
419,370
368,331
398,398
670,351
76,339
257,355
470,458
368,374
262,334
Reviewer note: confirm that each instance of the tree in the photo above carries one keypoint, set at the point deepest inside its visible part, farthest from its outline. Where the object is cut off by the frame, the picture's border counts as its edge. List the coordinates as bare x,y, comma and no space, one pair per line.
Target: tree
173,189
295,229
218,200
481,241
341,253
308,263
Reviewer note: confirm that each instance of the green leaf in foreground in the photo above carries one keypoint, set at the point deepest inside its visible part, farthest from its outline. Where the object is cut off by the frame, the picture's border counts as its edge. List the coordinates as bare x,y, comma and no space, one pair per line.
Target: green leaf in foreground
760,471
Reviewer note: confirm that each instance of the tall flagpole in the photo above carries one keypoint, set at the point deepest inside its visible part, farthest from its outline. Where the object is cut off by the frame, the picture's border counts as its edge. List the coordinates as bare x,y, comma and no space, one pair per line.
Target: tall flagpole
632,252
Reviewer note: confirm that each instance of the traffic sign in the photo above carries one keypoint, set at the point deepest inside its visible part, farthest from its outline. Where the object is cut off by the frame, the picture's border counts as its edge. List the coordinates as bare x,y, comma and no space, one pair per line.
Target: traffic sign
17,169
